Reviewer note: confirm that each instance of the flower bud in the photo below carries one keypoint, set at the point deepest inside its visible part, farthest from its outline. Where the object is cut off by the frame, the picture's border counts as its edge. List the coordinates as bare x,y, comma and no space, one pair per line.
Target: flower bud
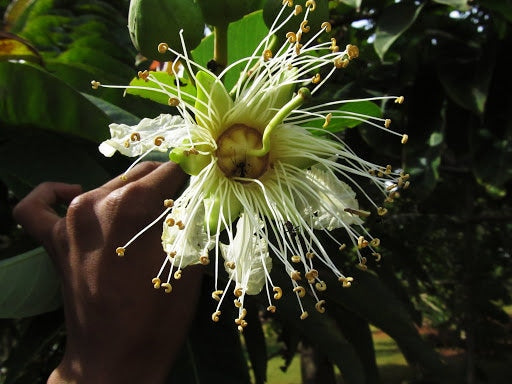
223,12
152,22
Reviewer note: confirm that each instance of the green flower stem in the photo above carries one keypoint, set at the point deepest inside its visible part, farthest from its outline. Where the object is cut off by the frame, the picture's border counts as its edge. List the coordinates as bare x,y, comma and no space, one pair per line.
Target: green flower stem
302,95
220,49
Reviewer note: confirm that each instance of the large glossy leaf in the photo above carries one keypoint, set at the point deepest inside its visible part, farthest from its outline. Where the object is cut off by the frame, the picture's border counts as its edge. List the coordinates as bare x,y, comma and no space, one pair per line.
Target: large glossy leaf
393,22
29,285
243,37
31,96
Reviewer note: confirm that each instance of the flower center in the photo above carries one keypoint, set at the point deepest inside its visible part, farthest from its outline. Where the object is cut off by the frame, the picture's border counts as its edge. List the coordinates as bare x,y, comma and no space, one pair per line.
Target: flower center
232,148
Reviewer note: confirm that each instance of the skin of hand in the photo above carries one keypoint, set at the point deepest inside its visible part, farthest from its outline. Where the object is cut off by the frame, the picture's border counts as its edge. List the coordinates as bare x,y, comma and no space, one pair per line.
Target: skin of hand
119,329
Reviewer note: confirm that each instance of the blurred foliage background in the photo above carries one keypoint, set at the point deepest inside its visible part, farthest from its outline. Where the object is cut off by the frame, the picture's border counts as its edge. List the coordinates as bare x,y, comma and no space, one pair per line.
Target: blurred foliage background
444,282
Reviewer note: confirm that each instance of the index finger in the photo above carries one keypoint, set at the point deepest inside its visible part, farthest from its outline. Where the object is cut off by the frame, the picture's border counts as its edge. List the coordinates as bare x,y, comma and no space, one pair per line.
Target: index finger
36,212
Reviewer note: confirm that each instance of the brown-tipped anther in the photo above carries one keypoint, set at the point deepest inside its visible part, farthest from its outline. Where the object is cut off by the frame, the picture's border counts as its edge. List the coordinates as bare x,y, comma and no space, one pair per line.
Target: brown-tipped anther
296,259
346,281
361,242
159,140
304,27
173,102
271,308
381,211
156,282
163,47
375,242
237,303
321,286
167,286
267,54
168,203
120,251
230,264
204,260
238,292
292,37
143,75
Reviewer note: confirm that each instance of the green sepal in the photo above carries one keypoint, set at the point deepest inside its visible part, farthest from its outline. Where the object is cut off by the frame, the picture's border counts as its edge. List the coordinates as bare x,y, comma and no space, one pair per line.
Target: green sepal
230,211
211,97
191,164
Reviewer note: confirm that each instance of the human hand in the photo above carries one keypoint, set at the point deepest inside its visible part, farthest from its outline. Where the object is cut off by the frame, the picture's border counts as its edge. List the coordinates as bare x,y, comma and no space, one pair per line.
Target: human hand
119,329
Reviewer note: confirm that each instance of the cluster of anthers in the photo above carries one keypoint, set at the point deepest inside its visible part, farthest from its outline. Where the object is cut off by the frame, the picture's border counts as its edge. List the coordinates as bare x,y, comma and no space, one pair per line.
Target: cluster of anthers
261,172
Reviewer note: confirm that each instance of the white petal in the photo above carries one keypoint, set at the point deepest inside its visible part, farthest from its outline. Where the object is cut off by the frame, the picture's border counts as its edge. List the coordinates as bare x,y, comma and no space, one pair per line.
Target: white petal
247,251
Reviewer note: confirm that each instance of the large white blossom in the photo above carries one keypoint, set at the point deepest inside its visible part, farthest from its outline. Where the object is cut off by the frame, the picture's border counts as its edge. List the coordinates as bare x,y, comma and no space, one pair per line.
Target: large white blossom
258,171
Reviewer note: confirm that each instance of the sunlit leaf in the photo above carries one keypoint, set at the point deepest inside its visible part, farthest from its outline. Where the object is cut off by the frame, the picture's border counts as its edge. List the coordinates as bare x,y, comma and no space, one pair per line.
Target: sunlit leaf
393,22
462,5
13,47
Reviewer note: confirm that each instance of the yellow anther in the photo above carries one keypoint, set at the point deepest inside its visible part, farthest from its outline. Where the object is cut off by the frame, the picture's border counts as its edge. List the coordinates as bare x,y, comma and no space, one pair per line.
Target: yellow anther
310,255
316,79
406,184
311,4
361,242
405,137
304,26
298,10
352,51
204,259
327,26
288,2
126,144
362,266
120,251
123,177
170,222
399,100
327,120
238,292
216,294
215,316
311,275
168,287
340,62
319,306
177,274
334,46
95,84
304,315
171,254
295,275
296,258
271,308
180,225
388,169
300,291
135,136
237,303
405,176
267,54
230,264
292,37
387,123
243,314
342,247
347,281
168,203
321,286
278,293
163,47
381,211
298,46
375,242
377,256
156,282
391,187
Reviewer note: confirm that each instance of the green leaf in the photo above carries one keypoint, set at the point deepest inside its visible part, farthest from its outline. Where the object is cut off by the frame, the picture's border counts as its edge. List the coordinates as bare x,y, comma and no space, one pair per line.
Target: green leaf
354,112
500,7
29,285
352,3
435,139
157,92
394,21
461,5
31,96
119,115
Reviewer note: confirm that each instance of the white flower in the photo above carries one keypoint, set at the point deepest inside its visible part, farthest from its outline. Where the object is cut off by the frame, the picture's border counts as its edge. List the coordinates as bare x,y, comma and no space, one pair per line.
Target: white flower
258,172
